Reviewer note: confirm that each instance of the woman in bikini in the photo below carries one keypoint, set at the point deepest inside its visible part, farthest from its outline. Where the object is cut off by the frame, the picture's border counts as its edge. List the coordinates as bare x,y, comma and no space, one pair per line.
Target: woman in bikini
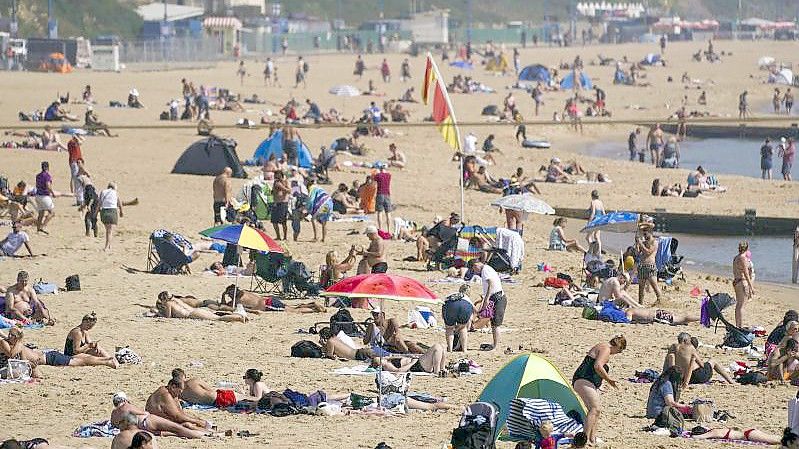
588,379
753,435
742,282
433,361
79,342
172,307
334,270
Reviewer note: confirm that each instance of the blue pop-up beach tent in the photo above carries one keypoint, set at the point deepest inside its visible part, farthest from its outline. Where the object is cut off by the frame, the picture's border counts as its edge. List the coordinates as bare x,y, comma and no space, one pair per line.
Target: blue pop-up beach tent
274,145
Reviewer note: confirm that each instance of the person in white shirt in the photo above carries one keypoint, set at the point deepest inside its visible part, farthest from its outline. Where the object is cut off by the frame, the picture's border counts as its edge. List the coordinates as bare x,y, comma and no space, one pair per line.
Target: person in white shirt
493,297
470,144
14,241
110,211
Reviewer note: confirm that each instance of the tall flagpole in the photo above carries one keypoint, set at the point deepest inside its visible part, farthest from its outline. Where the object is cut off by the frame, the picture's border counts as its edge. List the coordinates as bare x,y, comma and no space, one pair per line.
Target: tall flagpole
454,124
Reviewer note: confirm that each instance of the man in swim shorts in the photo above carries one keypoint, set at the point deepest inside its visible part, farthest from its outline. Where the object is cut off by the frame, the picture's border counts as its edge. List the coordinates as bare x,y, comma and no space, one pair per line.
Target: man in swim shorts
164,402
198,392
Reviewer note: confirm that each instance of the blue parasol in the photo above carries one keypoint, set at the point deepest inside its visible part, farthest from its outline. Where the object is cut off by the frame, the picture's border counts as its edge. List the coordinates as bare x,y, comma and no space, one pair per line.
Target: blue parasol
614,222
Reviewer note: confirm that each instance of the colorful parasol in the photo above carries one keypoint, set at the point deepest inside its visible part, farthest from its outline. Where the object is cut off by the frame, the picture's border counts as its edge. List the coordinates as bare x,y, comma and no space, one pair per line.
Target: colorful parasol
382,286
246,237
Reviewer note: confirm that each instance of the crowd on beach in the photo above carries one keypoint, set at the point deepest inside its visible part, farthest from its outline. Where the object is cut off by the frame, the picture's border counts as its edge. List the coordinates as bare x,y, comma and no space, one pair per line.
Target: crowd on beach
385,344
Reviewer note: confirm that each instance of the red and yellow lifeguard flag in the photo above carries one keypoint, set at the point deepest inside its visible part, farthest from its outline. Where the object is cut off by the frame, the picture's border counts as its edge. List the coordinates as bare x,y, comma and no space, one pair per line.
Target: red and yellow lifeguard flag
443,114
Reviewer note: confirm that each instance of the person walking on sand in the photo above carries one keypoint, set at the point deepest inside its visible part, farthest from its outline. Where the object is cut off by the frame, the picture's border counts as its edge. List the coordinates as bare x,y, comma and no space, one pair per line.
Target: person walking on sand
73,147
788,101
110,212
654,141
44,198
494,302
596,210
766,156
632,144
743,105
269,71
223,192
787,152
383,203
588,379
647,247
776,100
242,72
742,281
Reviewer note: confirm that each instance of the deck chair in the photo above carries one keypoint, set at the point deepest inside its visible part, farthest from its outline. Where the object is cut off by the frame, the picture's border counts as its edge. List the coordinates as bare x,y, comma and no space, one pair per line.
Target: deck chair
166,257
267,277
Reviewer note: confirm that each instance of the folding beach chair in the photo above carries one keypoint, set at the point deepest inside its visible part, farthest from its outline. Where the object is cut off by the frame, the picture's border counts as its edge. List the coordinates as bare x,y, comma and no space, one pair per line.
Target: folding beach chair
165,254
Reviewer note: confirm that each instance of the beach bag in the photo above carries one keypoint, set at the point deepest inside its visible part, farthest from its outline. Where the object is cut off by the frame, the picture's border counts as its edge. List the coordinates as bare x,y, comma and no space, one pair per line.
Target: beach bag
672,419
472,436
590,313
44,288
738,338
306,349
342,321
281,410
752,378
127,356
72,283
271,399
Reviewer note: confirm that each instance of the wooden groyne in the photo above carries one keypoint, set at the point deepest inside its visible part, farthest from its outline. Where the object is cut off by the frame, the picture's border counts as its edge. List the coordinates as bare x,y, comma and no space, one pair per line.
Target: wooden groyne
735,131
748,223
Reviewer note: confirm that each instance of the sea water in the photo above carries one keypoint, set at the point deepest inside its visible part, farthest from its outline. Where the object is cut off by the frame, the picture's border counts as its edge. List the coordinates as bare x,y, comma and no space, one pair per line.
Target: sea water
771,254
718,156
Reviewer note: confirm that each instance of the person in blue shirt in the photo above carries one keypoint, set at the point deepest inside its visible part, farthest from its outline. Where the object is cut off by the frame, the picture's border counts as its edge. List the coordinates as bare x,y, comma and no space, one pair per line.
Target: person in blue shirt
665,392
54,113
313,111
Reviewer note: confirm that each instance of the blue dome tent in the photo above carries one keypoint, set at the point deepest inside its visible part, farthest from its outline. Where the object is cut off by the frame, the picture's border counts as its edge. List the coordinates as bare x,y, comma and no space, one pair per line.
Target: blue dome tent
274,145
568,81
535,73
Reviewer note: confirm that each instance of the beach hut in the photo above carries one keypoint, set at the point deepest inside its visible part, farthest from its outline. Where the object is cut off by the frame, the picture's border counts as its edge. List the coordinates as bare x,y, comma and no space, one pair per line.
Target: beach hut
209,157
534,73
274,145
568,81
226,30
530,376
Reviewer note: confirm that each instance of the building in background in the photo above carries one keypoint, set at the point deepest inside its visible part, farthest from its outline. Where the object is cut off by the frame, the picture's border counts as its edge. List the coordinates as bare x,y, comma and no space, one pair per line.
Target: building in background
181,20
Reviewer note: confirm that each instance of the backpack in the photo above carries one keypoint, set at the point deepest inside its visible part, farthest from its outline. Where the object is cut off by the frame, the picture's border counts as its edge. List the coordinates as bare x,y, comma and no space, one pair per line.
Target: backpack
342,321
306,349
72,283
738,338
164,115
672,419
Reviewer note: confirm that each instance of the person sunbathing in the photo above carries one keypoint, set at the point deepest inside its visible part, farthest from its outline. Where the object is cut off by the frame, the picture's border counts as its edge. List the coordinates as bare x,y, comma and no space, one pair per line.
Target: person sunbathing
783,361
643,315
482,182
432,361
686,358
23,304
150,422
343,347
12,348
164,402
128,427
173,307
196,391
257,303
219,269
733,434
387,333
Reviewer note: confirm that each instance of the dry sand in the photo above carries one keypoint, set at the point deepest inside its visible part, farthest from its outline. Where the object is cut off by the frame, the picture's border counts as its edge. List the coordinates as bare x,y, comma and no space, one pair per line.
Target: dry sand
141,159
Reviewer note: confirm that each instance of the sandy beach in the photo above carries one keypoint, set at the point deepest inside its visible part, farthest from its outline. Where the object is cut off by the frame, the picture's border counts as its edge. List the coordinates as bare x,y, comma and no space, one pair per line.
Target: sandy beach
140,161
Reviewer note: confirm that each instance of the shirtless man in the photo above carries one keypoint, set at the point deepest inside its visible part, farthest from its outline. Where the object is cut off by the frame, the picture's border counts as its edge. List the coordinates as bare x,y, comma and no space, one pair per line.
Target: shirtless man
195,391
375,253
128,426
280,208
223,189
654,141
164,402
647,248
615,288
172,307
337,348
255,303
685,356
151,423
480,180
23,304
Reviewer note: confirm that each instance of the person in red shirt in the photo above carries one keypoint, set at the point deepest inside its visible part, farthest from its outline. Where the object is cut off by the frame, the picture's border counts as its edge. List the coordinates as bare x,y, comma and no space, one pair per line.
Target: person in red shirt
73,147
383,200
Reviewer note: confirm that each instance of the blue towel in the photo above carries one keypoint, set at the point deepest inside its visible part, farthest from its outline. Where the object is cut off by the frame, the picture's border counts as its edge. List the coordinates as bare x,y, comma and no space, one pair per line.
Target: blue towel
663,255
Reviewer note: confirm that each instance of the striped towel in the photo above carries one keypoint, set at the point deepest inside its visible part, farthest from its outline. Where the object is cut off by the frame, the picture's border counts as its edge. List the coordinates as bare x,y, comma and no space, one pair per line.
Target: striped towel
526,415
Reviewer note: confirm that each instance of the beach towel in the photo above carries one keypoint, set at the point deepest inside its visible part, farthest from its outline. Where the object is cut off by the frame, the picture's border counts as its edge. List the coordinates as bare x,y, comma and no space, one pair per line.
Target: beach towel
527,414
319,204
349,218
99,429
363,370
611,312
513,244
199,407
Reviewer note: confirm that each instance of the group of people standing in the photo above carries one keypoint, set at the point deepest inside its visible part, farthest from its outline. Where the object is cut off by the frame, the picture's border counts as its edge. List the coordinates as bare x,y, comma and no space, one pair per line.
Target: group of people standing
786,150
